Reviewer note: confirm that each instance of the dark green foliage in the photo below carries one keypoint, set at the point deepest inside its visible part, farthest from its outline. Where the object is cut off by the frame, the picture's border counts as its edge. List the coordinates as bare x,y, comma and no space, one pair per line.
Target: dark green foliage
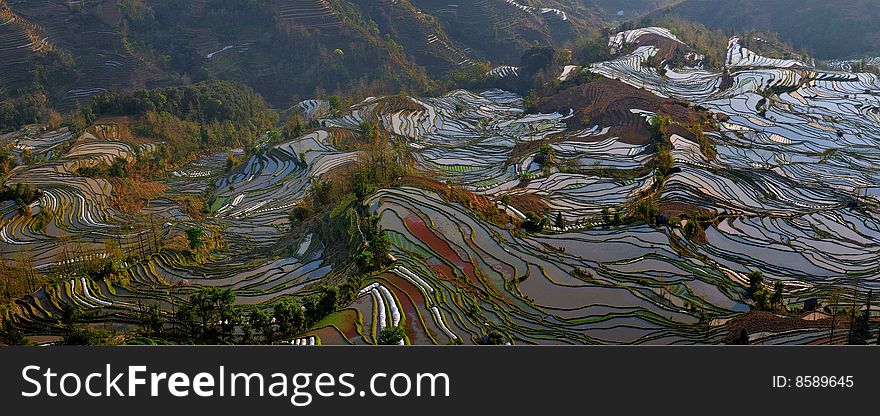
283,58
494,337
363,185
300,213
209,103
546,155
376,257
17,112
646,210
560,221
152,321
210,316
42,220
117,169
765,299
692,227
537,58
289,316
196,237
78,333
320,304
335,103
391,335
380,248
778,290
756,281
24,192
535,222
261,320
9,335
321,191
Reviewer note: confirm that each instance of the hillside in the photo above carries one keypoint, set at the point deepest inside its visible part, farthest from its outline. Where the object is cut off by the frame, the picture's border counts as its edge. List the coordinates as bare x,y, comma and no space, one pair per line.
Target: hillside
700,200
836,29
283,49
626,9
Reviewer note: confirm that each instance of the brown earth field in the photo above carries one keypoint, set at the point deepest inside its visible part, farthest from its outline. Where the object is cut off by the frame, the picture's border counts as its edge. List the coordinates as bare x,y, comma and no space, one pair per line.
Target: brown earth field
607,103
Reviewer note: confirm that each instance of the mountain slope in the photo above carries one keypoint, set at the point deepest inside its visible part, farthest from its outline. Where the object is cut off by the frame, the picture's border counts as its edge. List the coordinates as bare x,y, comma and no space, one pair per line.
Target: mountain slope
827,29
626,9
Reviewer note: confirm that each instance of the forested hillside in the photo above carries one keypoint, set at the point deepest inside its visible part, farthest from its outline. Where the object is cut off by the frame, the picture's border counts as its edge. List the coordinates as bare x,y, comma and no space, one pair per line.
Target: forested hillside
828,29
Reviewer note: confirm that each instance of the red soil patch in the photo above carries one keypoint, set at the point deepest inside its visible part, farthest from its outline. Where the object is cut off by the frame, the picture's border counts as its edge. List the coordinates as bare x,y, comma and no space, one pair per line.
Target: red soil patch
484,207
420,230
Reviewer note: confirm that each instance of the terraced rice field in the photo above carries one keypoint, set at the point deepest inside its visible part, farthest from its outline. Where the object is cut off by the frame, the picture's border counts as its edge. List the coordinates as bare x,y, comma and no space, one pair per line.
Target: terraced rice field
313,14
98,49
20,43
247,219
794,189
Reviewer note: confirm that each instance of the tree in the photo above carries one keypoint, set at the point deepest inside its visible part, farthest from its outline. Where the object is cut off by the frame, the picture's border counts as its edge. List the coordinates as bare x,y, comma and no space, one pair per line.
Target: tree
230,160
494,338
335,102
535,222
363,185
756,281
778,289
564,56
151,320
195,236
742,339
289,316
391,335
860,332
118,169
75,333
274,136
210,315
294,126
261,320
647,210
327,303
560,221
546,155
380,249
27,156
9,335
833,300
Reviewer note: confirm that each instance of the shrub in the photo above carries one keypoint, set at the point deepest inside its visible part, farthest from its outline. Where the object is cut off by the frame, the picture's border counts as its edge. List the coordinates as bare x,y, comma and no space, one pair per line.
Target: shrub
391,335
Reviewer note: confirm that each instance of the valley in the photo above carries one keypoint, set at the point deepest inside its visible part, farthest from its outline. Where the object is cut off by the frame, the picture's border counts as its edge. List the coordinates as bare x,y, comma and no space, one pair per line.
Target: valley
653,195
